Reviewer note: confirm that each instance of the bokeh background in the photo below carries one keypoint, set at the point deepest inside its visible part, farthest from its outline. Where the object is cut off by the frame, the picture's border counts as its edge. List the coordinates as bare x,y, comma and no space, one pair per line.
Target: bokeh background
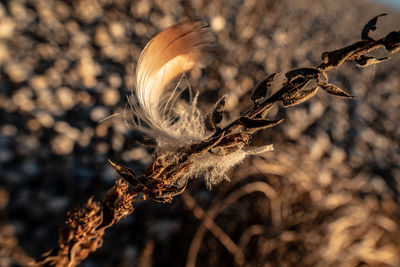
327,196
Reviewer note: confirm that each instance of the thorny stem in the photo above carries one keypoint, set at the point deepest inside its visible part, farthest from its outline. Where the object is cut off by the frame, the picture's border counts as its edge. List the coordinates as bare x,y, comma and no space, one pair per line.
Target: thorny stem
85,226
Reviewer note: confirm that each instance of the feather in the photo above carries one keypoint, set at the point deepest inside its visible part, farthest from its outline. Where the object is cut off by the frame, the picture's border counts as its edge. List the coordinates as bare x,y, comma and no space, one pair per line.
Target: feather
176,50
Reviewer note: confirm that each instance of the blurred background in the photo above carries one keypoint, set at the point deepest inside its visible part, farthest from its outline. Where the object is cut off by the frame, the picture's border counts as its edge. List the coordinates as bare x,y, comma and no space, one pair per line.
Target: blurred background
327,196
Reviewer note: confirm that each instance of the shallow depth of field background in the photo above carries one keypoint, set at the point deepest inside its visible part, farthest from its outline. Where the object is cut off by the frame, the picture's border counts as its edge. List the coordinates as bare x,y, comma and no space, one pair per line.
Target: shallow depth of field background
331,187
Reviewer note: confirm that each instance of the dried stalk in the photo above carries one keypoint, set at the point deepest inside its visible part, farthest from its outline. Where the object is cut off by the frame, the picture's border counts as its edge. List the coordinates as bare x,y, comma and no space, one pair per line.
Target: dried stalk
85,226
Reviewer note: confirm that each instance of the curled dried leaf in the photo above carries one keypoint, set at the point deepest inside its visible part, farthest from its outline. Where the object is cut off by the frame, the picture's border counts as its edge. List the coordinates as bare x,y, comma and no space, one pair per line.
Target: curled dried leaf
308,73
334,90
256,124
364,61
392,42
370,26
300,97
335,58
261,89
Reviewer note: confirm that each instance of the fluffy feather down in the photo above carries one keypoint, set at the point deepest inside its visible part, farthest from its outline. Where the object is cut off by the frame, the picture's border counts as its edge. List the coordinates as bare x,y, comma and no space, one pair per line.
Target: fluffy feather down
176,50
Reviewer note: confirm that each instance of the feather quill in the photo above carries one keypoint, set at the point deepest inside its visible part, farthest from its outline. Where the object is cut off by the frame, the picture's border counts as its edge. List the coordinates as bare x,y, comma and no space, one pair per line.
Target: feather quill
174,51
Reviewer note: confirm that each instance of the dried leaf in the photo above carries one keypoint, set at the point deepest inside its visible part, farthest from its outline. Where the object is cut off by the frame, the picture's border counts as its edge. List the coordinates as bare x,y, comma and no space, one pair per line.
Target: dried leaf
261,89
126,173
392,42
295,83
256,124
300,97
334,90
294,87
370,26
364,61
335,58
309,73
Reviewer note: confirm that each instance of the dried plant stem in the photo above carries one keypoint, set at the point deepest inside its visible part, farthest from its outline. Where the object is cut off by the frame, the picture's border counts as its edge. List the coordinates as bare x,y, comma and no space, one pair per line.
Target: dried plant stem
163,179
85,226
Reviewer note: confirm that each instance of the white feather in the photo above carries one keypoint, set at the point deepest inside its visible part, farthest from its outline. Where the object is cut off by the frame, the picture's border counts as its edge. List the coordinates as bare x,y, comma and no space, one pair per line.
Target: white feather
176,50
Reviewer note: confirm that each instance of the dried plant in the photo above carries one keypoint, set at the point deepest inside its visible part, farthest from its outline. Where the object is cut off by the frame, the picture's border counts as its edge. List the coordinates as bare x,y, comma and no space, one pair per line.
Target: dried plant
190,144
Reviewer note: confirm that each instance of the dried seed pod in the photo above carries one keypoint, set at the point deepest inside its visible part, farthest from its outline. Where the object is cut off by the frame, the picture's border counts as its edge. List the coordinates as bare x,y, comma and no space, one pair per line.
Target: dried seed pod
288,90
334,90
126,173
261,89
295,87
300,97
370,26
